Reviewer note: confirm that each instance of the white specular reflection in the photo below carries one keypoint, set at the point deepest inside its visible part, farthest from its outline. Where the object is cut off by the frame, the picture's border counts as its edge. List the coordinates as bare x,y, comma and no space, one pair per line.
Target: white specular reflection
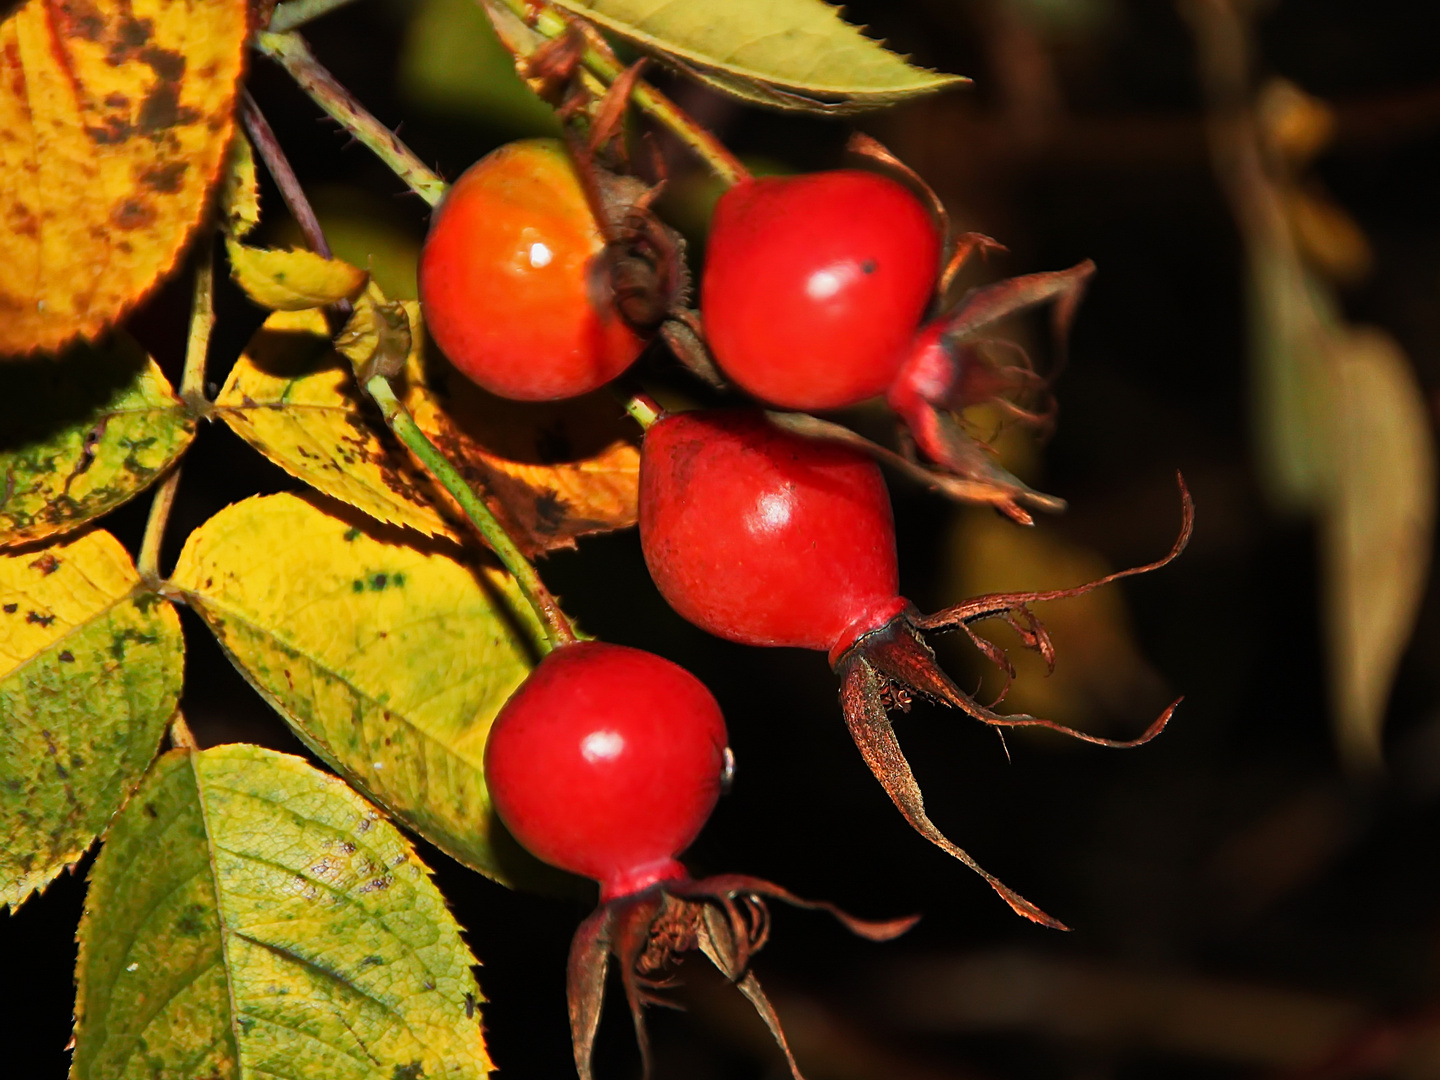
540,255
602,746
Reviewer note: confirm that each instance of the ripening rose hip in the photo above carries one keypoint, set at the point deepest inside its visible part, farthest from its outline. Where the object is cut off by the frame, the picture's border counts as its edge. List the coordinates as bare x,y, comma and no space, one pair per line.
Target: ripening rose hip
814,285
506,279
606,762
764,537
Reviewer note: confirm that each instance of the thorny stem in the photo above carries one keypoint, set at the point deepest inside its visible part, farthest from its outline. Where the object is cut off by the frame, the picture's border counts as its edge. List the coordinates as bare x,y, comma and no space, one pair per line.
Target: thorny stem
268,147
192,392
290,51
296,13
549,23
558,630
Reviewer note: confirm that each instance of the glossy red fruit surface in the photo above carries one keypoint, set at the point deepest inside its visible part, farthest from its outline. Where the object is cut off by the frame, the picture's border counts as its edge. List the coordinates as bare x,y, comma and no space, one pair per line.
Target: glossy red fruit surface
814,285
606,762
505,279
764,537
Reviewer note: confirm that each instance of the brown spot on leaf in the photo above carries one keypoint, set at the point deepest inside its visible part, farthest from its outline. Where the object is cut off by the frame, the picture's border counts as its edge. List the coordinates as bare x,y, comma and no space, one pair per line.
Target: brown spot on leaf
36,619
47,564
165,178
133,214
67,657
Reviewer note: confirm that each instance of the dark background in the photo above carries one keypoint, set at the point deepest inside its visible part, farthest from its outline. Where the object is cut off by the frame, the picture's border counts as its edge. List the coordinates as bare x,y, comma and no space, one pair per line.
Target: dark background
1241,905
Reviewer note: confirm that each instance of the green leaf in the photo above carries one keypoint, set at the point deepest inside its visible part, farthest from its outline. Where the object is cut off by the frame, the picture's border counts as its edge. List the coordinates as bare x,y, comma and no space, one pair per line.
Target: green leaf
90,670
1377,530
292,280
787,54
388,660
82,433
250,916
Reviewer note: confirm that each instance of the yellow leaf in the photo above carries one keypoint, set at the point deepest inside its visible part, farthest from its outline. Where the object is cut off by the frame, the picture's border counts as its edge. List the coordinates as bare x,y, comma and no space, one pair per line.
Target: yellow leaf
389,661
293,398
240,191
1101,680
788,54
81,434
251,916
1376,532
292,280
550,473
114,120
90,668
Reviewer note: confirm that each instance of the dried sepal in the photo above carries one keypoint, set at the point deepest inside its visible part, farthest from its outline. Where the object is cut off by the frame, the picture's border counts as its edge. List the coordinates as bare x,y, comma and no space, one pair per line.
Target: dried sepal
723,917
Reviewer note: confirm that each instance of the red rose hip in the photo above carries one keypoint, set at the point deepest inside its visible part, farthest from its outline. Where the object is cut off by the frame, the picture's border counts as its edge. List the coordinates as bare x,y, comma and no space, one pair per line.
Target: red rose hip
765,537
506,279
814,285
607,762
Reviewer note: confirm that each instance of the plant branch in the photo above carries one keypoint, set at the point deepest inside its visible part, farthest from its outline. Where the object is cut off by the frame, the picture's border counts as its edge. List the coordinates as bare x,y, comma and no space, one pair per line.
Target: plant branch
290,51
192,392
558,630
296,13
262,137
549,23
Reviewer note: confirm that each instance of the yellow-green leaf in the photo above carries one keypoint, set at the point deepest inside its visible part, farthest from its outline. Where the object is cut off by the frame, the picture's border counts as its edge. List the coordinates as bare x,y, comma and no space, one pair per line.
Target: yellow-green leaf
549,473
81,434
292,280
1376,532
240,191
251,916
114,120
90,669
789,54
388,660
294,399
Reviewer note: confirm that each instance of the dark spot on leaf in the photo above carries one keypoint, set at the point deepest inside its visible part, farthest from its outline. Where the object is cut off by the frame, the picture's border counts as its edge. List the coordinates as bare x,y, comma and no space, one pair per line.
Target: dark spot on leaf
35,618
47,564
370,961
133,214
469,1006
351,534
549,511
378,582
116,100
357,585
66,656
150,810
378,884
413,1071
9,609
246,1024
192,923
165,178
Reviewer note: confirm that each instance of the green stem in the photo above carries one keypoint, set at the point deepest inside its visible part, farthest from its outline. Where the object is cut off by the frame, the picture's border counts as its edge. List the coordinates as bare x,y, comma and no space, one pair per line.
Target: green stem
192,392
550,24
643,409
296,13
558,630
290,51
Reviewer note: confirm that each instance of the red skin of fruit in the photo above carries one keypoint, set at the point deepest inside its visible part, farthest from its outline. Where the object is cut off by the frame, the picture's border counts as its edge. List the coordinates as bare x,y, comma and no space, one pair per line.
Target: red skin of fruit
763,537
504,279
814,285
606,762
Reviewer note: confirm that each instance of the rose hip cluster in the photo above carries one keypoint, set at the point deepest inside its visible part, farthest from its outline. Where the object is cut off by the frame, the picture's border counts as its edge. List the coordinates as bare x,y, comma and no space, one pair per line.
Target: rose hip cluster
607,761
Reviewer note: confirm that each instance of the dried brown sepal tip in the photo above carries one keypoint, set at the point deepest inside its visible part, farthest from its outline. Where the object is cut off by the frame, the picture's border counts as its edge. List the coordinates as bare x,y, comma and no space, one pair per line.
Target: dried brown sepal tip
724,917
954,366
885,668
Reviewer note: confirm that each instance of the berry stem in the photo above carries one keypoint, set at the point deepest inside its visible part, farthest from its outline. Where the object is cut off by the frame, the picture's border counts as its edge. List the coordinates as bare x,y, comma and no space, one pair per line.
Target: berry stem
192,392
291,52
558,630
550,24
643,409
